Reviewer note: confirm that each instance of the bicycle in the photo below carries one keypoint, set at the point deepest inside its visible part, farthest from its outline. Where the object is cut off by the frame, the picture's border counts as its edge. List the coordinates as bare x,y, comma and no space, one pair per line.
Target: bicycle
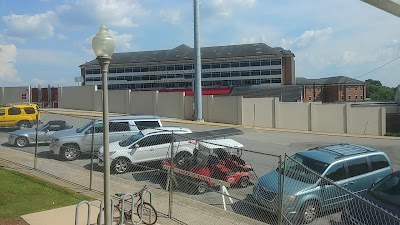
148,216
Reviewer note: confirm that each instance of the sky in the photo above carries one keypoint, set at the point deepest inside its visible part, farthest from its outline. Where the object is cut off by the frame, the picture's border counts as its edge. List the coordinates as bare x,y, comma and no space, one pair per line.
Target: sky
43,42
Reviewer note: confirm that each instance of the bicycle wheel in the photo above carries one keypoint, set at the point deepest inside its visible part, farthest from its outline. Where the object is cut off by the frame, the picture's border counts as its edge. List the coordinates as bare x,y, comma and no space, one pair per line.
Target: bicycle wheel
116,214
149,213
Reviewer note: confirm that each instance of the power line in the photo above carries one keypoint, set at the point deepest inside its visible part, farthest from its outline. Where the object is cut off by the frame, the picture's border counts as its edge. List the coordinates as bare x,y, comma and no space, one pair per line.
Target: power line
378,67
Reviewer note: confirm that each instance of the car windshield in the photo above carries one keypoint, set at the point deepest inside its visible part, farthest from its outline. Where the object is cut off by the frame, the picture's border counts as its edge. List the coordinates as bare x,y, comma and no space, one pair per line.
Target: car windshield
388,190
132,139
298,172
84,127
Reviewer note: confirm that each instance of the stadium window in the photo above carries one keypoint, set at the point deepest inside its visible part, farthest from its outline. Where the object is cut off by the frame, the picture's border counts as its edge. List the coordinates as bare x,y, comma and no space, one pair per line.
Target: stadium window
162,68
266,62
153,68
121,78
216,74
235,74
255,63
128,69
144,69
276,62
206,66
128,78
136,69
255,73
216,65
112,78
120,70
188,67
265,72
235,64
275,71
89,71
170,67
206,75
245,73
178,67
225,74
276,80
112,70
96,71
225,65
244,64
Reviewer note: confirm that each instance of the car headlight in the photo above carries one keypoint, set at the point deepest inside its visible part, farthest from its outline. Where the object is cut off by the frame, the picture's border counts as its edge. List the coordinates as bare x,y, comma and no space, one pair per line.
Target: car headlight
289,198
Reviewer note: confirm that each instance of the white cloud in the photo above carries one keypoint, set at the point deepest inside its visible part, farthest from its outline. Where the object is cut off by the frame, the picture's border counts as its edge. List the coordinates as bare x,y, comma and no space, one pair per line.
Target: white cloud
228,7
172,16
36,25
121,13
307,38
8,55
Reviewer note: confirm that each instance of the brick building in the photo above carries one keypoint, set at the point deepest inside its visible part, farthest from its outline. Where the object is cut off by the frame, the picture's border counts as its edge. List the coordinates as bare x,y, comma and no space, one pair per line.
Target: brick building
332,89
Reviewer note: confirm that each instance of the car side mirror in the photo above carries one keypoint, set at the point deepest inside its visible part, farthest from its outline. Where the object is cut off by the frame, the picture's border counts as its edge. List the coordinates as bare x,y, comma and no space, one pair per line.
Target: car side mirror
88,131
136,146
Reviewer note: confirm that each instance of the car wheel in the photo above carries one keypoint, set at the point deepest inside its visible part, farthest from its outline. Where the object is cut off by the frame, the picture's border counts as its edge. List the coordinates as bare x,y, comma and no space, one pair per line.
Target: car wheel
21,142
120,165
201,187
69,152
244,182
181,158
24,125
308,212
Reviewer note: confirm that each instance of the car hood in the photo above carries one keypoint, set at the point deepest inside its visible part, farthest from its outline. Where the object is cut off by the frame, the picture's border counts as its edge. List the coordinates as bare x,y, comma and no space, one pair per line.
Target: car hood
114,147
24,131
65,133
291,186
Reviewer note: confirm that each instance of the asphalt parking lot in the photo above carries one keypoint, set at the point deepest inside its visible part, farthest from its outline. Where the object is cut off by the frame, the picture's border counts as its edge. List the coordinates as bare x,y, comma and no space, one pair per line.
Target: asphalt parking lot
262,141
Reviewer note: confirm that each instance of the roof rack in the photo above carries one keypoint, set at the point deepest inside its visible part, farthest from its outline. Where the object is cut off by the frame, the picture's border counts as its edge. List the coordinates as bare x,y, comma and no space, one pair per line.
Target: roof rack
340,151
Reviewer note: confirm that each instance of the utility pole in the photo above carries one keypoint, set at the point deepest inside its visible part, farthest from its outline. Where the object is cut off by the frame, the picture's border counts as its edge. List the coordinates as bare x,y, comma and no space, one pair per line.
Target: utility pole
198,108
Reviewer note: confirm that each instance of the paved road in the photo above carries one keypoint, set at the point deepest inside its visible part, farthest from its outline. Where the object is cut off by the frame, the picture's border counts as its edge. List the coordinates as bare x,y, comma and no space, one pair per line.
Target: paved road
262,141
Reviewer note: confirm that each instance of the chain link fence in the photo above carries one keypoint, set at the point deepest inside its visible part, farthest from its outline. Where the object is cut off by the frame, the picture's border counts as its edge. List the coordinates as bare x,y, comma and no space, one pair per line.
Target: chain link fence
208,168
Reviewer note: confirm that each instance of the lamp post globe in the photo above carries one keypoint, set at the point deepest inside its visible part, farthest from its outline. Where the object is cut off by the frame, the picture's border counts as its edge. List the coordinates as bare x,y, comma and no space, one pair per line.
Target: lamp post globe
103,46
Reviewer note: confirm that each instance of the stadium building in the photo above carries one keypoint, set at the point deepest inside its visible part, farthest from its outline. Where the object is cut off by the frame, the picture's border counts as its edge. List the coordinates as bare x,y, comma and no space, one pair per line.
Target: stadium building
223,67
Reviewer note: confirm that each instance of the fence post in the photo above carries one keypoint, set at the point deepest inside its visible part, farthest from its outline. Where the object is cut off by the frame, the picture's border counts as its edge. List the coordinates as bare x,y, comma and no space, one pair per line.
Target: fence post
91,157
36,138
171,177
280,189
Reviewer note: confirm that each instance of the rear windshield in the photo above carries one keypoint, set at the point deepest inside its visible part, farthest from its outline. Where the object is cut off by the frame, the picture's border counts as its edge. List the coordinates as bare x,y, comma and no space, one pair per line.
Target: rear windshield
29,110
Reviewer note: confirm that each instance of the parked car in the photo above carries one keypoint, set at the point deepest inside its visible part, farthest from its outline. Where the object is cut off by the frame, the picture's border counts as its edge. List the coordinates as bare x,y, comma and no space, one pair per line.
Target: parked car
18,115
69,144
25,137
305,194
384,194
145,146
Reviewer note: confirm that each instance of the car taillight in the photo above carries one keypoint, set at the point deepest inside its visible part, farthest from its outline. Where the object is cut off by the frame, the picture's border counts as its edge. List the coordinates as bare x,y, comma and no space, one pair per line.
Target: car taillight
192,141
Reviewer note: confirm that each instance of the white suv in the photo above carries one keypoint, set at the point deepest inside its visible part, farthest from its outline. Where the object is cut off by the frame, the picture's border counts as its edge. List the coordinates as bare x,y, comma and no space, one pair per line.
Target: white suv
148,145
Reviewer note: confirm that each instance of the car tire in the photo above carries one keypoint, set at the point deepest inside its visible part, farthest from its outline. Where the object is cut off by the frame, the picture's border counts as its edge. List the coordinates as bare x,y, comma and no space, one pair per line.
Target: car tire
181,158
308,212
120,165
243,182
21,142
24,124
69,152
201,187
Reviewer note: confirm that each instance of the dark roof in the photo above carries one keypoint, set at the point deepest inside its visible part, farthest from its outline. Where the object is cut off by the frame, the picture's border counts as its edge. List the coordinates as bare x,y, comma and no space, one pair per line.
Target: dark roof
328,81
184,52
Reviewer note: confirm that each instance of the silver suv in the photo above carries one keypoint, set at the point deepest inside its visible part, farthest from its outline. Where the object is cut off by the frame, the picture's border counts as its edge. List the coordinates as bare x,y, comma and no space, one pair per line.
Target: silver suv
70,144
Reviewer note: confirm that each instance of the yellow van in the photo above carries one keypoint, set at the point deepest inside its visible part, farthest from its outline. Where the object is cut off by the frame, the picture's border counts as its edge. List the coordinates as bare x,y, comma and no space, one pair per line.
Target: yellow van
18,115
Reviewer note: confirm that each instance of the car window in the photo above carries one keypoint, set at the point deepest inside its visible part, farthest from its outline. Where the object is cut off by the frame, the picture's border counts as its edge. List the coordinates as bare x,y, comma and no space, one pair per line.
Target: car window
388,190
141,125
378,162
336,172
132,139
157,139
119,126
2,112
14,111
98,128
54,127
29,110
357,166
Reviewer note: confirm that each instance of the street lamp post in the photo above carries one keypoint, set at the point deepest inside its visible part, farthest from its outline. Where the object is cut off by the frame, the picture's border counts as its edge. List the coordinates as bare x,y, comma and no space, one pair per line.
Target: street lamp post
103,46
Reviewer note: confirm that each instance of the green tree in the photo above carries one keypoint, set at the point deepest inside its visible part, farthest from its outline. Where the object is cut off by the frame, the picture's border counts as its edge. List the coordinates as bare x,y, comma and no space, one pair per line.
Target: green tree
377,92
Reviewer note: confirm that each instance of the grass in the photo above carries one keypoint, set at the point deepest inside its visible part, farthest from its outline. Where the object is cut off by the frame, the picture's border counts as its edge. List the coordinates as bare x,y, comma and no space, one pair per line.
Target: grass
22,194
